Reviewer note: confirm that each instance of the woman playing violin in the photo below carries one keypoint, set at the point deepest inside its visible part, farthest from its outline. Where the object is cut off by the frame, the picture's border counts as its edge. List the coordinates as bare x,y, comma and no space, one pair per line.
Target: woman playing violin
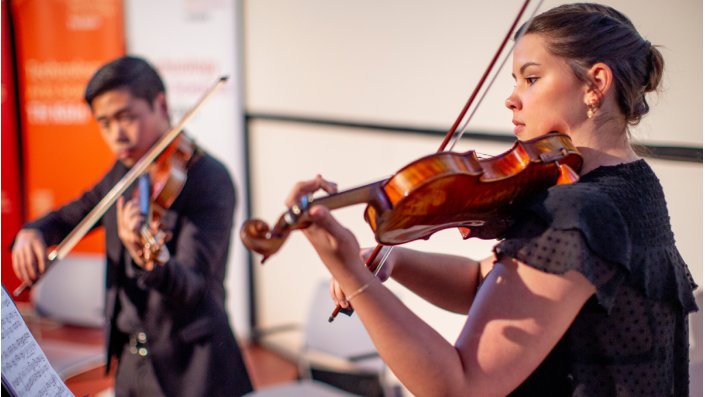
586,294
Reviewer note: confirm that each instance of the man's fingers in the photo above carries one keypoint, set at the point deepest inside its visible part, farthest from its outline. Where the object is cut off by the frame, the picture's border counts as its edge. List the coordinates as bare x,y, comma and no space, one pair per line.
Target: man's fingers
39,252
119,207
28,265
18,264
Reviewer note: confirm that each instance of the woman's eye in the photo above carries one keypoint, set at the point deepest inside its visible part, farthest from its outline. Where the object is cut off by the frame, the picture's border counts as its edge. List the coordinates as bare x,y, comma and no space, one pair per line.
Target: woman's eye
531,80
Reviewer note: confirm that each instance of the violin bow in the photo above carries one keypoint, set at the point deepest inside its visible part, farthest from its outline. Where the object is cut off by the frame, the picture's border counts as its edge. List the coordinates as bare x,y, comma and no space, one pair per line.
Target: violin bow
70,241
370,263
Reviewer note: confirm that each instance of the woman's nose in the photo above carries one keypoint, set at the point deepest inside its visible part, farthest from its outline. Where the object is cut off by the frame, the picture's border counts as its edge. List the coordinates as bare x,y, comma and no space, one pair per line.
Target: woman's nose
512,103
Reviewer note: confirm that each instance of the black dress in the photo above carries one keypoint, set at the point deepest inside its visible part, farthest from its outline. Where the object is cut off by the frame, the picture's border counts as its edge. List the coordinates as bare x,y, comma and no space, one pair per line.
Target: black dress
631,337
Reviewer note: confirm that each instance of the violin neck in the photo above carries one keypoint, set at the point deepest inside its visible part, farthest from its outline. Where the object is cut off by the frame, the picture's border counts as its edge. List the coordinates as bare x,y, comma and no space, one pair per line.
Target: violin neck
145,197
367,194
295,216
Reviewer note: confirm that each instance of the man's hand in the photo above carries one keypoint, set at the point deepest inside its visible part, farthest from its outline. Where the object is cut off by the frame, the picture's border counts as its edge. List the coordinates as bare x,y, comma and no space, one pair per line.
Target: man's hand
29,255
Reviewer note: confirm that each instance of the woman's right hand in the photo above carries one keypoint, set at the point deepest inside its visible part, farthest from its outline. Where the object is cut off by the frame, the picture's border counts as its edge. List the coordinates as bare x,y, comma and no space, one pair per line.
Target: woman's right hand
383,273
29,255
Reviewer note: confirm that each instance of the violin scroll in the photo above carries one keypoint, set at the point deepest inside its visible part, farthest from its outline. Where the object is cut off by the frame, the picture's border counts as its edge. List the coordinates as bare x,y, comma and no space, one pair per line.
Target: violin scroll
257,235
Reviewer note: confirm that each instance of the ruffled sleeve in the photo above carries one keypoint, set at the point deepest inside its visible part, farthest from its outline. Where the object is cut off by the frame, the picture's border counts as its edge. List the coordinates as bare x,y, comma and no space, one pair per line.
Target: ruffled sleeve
580,227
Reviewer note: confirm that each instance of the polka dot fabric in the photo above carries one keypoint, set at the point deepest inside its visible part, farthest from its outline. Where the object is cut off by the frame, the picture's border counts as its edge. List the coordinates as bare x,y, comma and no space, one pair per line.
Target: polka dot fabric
630,338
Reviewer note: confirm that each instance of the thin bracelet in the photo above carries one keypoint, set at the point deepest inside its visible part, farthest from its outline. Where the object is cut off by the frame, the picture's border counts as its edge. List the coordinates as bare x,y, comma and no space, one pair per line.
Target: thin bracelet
359,290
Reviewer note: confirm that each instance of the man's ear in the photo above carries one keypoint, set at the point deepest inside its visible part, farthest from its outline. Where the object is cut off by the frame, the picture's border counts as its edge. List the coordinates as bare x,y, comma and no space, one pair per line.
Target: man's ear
160,104
600,79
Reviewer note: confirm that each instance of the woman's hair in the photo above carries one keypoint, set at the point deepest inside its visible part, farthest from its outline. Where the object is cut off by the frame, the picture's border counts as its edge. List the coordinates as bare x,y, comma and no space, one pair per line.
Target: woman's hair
585,33
133,73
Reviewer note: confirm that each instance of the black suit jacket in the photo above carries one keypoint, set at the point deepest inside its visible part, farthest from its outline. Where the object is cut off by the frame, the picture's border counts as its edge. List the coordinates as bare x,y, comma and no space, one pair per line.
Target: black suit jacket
190,341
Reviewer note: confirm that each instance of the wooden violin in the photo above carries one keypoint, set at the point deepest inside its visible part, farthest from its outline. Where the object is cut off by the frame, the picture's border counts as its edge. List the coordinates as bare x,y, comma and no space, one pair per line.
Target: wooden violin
157,191
439,191
442,190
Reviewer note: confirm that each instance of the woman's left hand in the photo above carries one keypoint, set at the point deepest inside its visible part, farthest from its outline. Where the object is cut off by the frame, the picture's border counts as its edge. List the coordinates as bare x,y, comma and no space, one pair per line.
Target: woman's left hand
335,244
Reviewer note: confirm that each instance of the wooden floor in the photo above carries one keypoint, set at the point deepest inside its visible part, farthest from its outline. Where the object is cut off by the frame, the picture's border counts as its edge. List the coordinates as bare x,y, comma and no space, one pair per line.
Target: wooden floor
266,368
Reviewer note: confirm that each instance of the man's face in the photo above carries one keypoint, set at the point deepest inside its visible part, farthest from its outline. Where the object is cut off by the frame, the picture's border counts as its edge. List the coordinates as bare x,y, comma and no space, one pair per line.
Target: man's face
129,125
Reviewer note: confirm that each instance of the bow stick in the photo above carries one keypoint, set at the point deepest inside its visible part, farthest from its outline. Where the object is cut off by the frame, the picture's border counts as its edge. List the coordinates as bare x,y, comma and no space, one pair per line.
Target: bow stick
370,263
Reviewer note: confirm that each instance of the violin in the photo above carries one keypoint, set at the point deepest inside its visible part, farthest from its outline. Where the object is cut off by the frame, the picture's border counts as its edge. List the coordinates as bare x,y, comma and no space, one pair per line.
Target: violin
440,191
158,189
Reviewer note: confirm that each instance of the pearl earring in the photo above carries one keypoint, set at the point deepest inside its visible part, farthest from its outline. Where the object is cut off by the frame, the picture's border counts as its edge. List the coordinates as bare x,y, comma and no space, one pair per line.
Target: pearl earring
592,109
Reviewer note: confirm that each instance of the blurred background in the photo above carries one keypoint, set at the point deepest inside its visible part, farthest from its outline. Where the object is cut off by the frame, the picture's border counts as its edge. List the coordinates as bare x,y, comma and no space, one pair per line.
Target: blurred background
350,90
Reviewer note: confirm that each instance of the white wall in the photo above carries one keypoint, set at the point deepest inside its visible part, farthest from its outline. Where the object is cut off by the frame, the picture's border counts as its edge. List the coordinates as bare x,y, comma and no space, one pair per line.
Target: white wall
193,45
414,64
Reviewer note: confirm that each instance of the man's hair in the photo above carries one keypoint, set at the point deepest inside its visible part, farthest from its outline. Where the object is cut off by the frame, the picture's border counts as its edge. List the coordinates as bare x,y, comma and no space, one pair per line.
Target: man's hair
133,73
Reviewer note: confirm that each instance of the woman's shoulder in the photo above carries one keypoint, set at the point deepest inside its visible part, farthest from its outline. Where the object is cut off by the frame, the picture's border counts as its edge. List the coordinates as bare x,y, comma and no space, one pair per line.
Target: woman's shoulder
604,195
575,206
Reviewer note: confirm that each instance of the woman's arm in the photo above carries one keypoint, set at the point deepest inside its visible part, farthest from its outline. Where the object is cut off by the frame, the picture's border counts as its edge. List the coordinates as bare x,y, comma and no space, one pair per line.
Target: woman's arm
518,316
447,281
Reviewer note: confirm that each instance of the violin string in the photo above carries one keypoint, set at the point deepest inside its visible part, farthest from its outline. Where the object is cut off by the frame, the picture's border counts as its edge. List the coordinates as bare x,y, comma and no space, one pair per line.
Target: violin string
464,127
387,250
461,131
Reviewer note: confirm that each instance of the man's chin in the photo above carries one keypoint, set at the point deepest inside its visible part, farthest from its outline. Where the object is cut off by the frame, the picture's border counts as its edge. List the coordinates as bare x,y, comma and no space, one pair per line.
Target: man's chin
128,162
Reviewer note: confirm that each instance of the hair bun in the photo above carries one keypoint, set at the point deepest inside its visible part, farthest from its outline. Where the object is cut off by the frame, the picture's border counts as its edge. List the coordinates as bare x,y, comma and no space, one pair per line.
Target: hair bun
654,68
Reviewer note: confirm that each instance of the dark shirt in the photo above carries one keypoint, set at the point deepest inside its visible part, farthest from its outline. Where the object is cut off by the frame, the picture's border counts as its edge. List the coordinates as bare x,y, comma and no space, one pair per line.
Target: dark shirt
180,306
631,337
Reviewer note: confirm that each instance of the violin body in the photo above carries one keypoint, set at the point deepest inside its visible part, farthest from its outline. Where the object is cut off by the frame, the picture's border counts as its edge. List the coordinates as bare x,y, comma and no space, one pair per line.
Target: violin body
168,173
159,189
448,189
440,191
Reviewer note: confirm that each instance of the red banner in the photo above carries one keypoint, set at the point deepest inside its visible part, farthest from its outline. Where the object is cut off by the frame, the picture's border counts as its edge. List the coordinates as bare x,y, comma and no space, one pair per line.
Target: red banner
60,44
12,206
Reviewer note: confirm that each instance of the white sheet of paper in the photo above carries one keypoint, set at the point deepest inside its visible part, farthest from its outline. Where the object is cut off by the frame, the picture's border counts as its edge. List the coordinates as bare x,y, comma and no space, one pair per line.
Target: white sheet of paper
26,372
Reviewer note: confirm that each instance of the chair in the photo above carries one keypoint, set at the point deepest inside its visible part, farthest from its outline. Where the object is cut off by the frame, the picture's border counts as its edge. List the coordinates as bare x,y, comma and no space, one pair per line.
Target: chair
696,346
72,293
338,354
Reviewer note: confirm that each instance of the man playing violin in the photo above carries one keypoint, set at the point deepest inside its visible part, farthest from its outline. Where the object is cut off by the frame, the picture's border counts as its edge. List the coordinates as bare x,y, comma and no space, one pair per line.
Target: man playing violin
586,294
166,319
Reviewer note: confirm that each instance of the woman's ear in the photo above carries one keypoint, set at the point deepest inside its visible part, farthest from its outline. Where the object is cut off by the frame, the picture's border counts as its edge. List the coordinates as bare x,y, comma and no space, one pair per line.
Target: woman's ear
600,82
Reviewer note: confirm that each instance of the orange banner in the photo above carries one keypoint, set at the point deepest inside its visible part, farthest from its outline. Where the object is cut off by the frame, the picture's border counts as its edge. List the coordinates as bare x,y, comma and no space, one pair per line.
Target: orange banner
60,44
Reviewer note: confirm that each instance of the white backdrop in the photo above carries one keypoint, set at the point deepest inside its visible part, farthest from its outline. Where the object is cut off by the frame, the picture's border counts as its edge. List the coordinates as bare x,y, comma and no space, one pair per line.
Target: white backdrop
193,43
414,64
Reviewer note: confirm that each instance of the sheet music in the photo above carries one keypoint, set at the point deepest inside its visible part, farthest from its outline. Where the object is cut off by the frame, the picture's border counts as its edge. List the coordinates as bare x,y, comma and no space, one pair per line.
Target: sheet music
25,368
